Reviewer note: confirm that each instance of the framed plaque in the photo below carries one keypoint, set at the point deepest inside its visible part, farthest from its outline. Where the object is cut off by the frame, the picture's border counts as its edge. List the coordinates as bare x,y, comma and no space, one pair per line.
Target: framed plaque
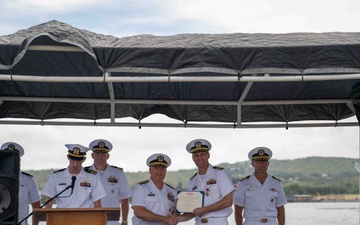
189,200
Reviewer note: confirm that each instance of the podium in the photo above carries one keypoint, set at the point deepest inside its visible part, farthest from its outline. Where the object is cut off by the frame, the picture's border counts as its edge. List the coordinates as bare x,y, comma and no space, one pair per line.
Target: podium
78,216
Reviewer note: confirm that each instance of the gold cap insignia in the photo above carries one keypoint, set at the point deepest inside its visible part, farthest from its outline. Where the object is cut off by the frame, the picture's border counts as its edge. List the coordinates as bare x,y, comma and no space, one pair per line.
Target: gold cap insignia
160,158
261,152
198,144
76,151
11,147
101,144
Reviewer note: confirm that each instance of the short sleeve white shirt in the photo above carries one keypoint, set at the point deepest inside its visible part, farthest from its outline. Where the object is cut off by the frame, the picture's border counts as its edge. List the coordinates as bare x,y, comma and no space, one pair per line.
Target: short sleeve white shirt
216,184
259,200
161,202
28,193
116,187
87,189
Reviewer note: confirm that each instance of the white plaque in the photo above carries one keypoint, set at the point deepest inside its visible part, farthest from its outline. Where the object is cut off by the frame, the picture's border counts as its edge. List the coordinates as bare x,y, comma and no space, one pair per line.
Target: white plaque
189,200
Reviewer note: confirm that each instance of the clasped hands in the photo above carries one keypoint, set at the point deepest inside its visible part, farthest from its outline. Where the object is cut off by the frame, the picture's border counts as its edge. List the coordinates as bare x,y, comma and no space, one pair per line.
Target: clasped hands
171,220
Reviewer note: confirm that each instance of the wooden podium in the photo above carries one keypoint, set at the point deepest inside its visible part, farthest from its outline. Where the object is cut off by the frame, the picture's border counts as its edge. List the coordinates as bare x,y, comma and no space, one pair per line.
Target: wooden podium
77,216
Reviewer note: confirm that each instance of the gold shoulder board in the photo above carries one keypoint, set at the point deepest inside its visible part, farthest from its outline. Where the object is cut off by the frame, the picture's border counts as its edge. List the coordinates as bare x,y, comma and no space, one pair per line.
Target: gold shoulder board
244,178
117,167
218,167
27,174
144,182
193,176
276,178
169,186
88,170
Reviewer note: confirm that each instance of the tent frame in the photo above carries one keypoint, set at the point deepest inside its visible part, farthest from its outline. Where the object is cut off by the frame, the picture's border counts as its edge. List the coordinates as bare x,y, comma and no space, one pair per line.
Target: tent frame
107,78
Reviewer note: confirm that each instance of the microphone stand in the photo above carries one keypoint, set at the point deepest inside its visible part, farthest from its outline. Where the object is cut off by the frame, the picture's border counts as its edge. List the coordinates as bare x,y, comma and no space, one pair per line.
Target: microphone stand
67,188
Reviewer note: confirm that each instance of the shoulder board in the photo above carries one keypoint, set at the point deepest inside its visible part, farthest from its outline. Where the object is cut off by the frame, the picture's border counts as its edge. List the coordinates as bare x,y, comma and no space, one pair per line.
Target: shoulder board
88,170
117,167
60,170
27,174
276,178
193,176
169,186
218,168
244,178
144,182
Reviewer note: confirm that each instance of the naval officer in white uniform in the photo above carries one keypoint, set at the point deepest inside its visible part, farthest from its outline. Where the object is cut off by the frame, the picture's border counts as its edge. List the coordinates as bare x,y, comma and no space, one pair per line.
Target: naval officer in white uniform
214,182
113,179
260,195
154,201
87,190
28,189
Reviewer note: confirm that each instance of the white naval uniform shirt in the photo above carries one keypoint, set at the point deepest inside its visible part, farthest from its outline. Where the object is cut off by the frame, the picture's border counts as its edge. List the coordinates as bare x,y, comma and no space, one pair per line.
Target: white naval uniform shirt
217,184
259,200
161,202
87,189
28,193
116,186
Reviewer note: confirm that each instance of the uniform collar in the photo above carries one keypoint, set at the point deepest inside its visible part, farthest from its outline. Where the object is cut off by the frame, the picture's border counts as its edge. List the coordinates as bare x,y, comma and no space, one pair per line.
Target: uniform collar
82,173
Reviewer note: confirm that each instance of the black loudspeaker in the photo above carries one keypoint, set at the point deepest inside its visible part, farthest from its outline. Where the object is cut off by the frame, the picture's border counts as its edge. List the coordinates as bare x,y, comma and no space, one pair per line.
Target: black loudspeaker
9,186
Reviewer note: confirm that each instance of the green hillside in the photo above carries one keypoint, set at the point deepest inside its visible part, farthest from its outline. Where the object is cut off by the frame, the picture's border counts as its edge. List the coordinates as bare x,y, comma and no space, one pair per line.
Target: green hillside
312,175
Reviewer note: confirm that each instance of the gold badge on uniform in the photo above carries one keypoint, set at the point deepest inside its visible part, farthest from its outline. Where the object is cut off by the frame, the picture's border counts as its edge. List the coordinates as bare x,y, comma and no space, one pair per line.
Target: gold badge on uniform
211,181
112,179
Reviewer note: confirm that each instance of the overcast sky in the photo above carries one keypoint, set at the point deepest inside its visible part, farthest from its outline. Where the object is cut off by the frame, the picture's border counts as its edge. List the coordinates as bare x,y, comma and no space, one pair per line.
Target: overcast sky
44,145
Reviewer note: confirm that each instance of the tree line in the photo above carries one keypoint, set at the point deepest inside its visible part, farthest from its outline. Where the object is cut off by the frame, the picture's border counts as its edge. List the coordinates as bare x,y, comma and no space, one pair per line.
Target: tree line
311,175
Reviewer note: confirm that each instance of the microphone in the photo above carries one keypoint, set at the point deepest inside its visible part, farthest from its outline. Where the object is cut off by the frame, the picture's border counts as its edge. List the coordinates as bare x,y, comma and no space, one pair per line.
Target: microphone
73,178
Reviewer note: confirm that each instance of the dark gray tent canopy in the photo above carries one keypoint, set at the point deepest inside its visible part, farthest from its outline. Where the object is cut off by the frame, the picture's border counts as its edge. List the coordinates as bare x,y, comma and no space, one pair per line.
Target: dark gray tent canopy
55,71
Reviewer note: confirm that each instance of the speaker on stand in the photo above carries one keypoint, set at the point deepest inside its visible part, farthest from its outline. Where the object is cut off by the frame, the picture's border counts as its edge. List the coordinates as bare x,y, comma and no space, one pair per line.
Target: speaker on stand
9,186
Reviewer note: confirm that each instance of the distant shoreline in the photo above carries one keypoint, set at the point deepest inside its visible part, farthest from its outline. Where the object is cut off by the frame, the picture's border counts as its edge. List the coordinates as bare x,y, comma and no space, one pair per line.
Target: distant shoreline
324,198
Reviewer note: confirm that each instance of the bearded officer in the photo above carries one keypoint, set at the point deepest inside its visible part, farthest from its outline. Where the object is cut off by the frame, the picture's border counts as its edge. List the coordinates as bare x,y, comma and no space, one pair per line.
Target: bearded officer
214,182
260,195
87,190
28,190
113,179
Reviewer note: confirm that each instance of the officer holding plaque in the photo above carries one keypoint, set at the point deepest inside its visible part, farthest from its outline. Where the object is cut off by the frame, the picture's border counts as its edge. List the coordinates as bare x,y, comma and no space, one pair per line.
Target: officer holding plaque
214,182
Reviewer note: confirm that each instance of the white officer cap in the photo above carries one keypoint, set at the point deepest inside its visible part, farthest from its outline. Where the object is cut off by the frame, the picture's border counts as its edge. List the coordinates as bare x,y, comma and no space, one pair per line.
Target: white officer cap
100,145
260,154
76,151
198,145
13,146
158,159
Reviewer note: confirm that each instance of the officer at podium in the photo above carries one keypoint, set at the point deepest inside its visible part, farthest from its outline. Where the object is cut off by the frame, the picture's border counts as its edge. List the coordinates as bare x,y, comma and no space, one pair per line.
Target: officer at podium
86,188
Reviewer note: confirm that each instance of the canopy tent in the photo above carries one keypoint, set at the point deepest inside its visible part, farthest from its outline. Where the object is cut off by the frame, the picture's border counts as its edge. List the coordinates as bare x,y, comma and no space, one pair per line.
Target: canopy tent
55,71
